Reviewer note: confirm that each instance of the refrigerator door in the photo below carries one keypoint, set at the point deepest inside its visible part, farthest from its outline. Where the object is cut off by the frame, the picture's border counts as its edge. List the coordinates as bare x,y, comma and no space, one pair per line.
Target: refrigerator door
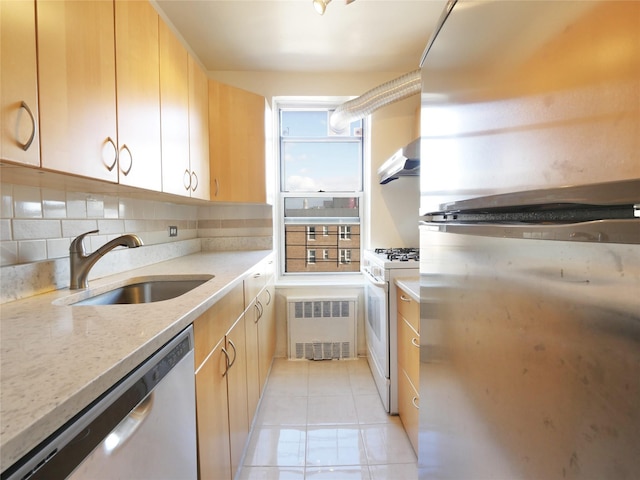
524,95
530,358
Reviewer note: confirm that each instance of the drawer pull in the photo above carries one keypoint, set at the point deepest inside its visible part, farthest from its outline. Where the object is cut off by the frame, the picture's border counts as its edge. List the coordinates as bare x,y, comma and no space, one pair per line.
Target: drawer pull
25,146
414,401
405,299
415,342
227,362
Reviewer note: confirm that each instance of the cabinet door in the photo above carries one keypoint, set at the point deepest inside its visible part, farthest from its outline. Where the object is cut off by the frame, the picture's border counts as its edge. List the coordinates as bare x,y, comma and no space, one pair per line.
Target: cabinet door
237,385
138,87
174,113
252,322
266,333
198,131
214,454
19,137
77,88
237,144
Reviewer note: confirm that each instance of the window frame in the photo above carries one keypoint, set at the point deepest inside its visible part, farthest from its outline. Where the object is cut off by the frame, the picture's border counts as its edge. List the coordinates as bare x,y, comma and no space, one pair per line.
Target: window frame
279,103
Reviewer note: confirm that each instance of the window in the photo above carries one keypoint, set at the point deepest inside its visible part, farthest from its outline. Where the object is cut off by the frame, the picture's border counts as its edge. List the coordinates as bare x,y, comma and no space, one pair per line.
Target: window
320,191
311,233
311,256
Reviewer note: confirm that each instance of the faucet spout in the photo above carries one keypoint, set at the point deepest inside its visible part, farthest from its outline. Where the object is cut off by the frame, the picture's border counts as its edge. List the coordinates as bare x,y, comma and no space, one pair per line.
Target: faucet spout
81,262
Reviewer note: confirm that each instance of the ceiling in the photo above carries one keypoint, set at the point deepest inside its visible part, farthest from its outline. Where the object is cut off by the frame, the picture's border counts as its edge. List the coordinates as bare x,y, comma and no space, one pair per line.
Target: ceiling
289,36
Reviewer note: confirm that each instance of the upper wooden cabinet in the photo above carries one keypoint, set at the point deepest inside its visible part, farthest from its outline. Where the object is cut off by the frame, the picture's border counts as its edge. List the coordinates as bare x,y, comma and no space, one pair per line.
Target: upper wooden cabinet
77,88
198,131
236,144
138,88
19,138
174,111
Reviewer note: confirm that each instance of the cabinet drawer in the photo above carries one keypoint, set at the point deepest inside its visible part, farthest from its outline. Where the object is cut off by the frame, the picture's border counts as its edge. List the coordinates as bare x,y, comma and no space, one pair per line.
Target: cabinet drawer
212,325
254,282
408,403
409,309
408,350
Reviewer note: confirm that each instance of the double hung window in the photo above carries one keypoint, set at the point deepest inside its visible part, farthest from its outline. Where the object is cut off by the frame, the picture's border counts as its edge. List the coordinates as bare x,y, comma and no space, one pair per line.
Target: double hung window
320,190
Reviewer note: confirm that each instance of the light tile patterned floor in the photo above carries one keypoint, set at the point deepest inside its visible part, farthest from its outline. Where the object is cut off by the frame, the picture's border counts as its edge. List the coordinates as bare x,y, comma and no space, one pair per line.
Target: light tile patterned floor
324,420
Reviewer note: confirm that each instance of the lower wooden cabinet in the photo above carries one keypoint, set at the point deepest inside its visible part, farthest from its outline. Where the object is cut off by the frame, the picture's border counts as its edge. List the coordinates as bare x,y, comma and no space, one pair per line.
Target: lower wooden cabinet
234,347
214,451
408,364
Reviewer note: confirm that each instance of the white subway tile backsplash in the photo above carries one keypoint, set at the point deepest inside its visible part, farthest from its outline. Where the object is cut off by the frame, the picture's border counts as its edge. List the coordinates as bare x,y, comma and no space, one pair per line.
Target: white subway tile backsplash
6,205
27,202
27,229
37,226
5,229
76,205
73,228
111,207
32,251
111,226
58,247
54,204
95,207
8,253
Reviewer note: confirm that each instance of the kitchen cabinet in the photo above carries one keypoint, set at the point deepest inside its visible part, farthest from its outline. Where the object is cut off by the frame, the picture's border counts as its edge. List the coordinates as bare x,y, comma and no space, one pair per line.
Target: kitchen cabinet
19,136
236,144
212,391
77,88
174,113
138,95
266,332
252,319
237,392
198,132
408,364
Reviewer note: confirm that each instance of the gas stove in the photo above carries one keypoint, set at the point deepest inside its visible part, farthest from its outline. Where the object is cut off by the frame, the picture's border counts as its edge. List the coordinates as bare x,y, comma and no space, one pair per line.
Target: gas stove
399,254
380,261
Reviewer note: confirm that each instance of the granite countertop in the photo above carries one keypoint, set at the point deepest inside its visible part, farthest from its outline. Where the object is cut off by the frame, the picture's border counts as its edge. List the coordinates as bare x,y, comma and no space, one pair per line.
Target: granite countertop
56,359
411,285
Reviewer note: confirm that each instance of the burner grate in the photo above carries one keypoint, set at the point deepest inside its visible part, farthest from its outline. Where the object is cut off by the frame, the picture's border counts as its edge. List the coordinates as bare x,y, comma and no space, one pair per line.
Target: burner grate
400,254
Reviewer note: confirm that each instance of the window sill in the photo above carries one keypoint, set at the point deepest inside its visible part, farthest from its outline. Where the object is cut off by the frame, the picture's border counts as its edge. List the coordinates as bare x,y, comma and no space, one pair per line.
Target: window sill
355,280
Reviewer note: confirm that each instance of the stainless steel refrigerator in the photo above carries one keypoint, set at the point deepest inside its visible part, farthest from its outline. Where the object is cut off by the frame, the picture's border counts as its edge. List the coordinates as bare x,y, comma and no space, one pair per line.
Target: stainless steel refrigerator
530,242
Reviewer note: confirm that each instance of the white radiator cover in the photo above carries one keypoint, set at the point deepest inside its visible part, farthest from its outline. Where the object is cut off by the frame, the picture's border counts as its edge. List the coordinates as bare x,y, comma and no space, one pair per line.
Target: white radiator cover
322,328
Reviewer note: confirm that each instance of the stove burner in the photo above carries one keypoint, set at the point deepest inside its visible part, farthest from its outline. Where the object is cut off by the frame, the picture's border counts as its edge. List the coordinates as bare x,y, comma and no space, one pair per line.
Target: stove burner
400,254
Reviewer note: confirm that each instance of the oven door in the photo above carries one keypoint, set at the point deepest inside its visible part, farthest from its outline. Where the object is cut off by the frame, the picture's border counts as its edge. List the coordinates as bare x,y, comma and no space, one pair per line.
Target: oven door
377,334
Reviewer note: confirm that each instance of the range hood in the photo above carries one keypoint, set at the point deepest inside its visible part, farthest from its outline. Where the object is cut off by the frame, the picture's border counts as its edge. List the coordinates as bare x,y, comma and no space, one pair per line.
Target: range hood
404,163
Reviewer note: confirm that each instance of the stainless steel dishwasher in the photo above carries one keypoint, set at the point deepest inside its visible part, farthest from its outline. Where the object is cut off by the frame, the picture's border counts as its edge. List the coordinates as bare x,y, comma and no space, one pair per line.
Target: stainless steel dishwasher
143,428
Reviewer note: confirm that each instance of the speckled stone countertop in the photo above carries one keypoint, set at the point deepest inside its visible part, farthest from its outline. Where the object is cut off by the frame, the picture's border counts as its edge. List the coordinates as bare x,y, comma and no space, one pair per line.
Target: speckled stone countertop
411,285
56,359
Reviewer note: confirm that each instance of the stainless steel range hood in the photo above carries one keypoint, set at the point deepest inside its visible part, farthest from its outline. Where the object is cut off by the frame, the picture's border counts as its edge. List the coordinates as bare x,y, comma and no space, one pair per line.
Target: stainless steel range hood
404,163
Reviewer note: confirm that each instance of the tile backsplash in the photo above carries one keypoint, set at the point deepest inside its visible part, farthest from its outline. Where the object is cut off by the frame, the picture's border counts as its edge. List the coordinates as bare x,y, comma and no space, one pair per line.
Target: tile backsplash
38,224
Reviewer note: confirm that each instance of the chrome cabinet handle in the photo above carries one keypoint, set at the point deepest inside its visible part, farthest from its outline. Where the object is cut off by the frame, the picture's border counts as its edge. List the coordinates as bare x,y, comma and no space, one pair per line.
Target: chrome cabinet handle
235,353
269,301
227,362
186,177
415,342
405,299
25,146
115,151
259,314
194,176
414,401
126,172
217,188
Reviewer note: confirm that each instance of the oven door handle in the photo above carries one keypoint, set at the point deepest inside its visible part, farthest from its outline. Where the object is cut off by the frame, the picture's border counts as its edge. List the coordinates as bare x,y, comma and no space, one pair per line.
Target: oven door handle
373,280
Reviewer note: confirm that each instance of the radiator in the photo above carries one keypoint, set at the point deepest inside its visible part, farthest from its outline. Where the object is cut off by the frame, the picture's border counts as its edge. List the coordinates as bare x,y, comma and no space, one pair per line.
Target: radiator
322,328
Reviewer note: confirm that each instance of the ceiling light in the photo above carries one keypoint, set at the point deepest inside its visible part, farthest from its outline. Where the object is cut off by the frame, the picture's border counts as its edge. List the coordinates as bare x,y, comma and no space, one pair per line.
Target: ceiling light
320,5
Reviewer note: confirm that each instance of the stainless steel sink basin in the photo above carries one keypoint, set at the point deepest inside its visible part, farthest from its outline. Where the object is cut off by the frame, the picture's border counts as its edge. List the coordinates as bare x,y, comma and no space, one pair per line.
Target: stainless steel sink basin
147,291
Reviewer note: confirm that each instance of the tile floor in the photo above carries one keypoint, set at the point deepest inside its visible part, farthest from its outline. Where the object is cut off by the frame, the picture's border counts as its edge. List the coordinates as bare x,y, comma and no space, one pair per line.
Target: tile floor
324,420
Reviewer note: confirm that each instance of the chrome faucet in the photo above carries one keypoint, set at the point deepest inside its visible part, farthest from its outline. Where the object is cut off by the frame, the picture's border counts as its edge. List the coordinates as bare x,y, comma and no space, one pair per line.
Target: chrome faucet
81,263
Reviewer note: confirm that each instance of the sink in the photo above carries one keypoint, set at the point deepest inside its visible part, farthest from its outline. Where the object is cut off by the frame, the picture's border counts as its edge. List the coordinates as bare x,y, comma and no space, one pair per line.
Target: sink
149,290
